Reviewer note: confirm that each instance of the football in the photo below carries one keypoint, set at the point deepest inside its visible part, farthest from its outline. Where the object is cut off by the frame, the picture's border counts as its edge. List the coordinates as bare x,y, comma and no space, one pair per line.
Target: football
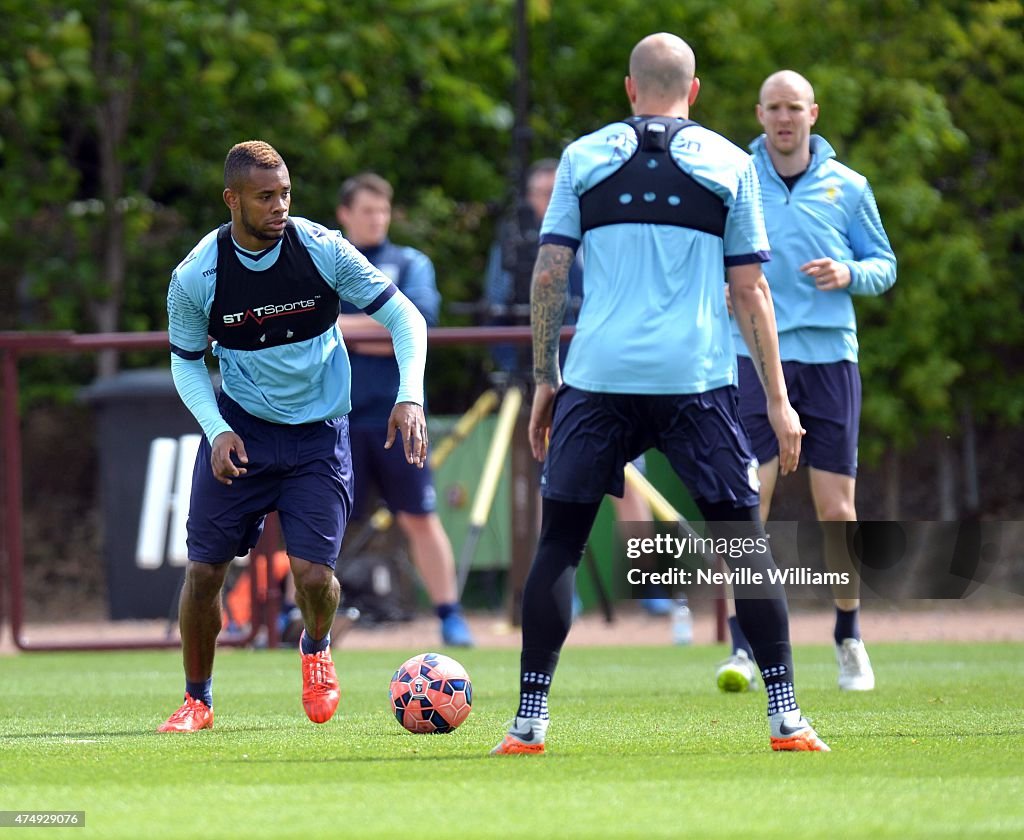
431,694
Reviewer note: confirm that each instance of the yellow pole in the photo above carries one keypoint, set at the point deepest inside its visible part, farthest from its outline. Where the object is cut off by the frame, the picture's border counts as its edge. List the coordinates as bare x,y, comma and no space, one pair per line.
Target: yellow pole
496,457
660,506
493,466
483,406
381,519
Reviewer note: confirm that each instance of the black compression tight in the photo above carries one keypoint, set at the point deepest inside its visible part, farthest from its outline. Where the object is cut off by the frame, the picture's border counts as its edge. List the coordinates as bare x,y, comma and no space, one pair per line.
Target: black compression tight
547,595
764,621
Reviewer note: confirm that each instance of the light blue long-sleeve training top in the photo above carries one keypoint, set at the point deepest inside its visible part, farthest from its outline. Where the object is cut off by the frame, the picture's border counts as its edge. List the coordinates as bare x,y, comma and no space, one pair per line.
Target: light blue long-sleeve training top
302,382
830,212
653,319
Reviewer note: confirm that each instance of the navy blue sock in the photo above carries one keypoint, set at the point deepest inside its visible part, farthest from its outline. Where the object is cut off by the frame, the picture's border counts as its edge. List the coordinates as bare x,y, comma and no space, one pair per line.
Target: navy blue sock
308,645
445,610
739,639
202,691
847,624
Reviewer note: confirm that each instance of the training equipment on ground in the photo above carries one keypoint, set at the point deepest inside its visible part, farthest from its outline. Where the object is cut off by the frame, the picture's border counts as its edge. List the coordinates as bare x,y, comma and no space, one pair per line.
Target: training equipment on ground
431,694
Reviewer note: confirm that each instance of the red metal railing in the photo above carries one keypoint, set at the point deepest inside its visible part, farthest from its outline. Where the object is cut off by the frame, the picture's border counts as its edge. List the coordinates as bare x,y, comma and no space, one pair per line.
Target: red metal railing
14,345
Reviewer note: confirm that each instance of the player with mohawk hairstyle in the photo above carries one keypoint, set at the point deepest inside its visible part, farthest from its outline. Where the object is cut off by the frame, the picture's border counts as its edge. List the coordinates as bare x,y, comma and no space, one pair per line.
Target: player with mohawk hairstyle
267,287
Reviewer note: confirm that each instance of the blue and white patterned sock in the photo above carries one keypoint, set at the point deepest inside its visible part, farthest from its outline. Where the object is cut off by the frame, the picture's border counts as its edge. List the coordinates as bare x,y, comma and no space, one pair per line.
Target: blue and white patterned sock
778,682
533,695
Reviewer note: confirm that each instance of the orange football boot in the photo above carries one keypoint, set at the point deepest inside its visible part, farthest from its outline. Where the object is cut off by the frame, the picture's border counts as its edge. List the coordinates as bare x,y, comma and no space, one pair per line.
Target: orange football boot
320,693
795,734
524,737
191,717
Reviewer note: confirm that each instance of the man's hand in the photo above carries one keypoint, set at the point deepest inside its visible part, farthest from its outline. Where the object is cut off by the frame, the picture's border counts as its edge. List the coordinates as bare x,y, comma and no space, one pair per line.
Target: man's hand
540,419
223,467
786,425
828,275
409,423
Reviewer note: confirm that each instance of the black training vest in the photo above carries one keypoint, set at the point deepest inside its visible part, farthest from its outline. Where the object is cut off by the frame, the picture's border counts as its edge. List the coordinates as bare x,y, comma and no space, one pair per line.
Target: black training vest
651,188
286,303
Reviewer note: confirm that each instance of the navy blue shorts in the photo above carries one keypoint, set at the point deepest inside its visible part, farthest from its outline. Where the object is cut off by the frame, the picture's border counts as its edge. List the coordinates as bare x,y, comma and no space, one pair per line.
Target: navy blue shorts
405,488
827,398
304,472
594,435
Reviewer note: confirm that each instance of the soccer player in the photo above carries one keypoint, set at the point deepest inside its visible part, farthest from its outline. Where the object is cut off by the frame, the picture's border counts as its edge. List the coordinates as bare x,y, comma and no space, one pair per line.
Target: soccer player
267,288
665,209
501,292
828,244
364,213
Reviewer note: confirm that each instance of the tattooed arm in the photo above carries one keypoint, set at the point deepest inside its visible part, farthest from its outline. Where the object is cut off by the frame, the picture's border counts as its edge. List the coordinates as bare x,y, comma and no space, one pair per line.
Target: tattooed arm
547,312
755,316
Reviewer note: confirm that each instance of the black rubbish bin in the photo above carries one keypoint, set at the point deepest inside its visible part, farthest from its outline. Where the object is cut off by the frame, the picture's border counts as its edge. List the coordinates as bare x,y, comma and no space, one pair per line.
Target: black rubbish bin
132,409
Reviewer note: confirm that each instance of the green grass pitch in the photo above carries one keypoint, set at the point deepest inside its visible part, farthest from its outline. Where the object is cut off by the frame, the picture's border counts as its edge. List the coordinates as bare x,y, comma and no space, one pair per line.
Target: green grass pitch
641,745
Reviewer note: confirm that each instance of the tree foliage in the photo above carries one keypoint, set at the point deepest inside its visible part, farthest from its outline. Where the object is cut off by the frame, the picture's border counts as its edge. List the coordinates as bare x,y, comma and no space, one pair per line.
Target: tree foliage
115,116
